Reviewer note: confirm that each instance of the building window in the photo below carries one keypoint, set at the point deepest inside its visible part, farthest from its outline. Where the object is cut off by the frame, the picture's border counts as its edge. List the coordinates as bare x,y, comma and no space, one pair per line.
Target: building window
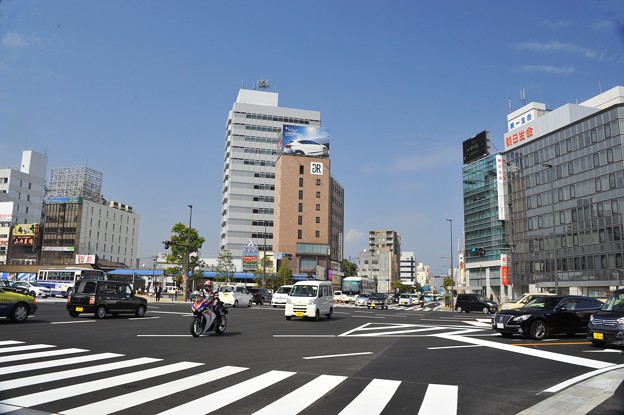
572,191
299,220
301,182
300,194
318,219
318,207
596,158
598,185
299,234
318,182
612,184
318,194
607,130
609,155
317,233
300,169
300,207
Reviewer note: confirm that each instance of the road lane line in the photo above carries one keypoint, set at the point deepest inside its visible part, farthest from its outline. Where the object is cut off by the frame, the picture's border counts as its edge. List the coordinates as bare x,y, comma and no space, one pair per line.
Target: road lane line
580,378
373,399
129,400
73,322
549,344
5,350
218,400
453,347
10,342
337,355
51,395
301,398
580,361
439,400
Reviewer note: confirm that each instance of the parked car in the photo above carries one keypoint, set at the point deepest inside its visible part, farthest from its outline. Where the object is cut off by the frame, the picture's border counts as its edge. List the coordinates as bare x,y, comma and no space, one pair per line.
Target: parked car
305,147
474,302
11,287
234,295
377,300
34,289
280,295
521,301
260,295
361,300
405,299
17,307
547,315
606,327
105,297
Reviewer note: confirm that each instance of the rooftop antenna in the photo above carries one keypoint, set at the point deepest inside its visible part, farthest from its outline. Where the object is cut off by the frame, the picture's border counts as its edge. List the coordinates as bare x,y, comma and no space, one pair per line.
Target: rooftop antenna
262,84
522,96
509,104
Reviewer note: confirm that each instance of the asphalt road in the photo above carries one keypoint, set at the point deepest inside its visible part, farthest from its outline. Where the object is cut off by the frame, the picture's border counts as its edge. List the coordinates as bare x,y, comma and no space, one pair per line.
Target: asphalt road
362,361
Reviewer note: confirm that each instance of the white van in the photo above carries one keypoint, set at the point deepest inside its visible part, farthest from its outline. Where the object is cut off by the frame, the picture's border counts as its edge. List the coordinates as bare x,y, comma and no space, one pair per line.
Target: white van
310,299
235,295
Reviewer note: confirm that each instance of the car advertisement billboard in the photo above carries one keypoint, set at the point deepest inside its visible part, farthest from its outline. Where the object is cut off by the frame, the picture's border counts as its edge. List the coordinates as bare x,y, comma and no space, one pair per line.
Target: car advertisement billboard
304,140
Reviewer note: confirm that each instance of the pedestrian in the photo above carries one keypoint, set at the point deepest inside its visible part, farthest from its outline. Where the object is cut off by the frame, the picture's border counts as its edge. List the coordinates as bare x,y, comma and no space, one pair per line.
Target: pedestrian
158,292
491,297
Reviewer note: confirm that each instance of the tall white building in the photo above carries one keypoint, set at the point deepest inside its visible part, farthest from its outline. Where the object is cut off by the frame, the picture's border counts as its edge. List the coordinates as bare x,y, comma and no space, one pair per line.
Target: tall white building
21,195
253,129
408,268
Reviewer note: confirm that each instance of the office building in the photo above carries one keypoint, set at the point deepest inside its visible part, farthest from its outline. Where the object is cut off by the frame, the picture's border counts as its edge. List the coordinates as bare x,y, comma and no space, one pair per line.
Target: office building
407,271
546,215
309,215
253,130
21,201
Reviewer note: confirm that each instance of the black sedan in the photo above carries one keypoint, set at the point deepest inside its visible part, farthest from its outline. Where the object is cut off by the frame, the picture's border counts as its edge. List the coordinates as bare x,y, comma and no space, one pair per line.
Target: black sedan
377,300
606,327
547,315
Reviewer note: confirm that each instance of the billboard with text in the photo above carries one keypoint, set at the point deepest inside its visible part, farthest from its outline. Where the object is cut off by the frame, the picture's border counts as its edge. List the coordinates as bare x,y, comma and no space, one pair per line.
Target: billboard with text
303,140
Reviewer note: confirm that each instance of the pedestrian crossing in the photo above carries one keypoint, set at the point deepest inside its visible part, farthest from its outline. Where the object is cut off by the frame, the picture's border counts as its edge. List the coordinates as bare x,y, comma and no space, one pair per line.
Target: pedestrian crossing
74,381
396,307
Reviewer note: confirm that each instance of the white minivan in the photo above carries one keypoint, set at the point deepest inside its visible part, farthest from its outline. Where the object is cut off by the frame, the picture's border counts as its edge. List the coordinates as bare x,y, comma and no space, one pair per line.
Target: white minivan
310,299
280,295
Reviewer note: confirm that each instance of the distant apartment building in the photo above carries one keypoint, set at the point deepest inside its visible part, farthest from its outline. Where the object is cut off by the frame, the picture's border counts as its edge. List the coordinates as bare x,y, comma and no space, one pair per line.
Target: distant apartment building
21,202
253,129
408,268
382,259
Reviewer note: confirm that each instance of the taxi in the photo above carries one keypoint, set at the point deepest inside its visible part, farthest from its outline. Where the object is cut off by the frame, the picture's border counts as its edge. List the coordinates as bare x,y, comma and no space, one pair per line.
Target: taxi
16,307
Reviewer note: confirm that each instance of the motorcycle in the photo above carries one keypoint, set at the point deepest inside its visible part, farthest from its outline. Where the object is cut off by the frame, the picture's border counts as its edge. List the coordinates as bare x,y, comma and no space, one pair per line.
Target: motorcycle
205,316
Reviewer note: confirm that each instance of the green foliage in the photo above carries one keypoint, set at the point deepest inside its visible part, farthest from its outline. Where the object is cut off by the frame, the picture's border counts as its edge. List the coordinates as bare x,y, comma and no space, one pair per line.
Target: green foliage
225,266
284,275
184,241
348,268
447,283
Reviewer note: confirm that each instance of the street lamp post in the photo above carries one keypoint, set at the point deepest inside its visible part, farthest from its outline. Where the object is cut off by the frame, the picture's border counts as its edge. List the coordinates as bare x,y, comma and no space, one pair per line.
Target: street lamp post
264,254
554,239
452,274
188,253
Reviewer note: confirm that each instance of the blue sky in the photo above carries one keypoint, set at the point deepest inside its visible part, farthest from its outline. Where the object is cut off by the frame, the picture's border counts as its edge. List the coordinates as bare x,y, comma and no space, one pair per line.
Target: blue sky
140,90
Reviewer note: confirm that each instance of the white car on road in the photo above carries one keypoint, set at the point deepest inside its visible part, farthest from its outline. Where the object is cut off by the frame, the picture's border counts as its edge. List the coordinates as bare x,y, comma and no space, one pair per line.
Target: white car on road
235,295
280,295
34,289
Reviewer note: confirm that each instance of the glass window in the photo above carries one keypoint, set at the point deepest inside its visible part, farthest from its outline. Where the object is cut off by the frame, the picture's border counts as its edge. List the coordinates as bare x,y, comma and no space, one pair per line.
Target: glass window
596,159
594,136
607,130
609,155
318,219
317,233
598,185
300,194
572,191
299,234
612,184
318,207
600,209
615,209
300,207
300,220
301,182
574,215
570,168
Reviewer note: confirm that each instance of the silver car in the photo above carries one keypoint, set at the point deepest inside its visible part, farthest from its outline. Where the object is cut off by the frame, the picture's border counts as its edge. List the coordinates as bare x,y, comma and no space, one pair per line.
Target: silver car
34,289
361,300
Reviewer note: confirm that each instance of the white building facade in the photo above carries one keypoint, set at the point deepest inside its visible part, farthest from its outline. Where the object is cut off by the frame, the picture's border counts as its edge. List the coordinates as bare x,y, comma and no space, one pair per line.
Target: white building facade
21,195
252,135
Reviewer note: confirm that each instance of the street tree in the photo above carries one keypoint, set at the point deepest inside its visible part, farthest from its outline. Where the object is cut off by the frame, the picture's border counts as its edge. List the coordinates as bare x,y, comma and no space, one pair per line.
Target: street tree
348,268
185,243
225,266
284,274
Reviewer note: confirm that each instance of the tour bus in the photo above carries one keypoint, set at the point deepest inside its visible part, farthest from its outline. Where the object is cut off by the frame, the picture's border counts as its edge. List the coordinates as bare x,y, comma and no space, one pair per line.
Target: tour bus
61,281
354,286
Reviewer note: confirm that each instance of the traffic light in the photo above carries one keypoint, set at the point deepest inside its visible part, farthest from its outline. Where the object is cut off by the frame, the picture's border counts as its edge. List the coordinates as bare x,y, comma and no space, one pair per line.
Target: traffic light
481,252
477,251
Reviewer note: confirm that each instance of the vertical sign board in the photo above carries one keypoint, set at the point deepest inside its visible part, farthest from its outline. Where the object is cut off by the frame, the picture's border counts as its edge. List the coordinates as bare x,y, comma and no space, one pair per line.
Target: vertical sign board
250,256
500,187
504,270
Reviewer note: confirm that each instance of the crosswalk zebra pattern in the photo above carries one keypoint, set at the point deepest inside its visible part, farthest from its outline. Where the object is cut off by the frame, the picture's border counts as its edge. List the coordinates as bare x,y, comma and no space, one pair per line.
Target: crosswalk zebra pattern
41,377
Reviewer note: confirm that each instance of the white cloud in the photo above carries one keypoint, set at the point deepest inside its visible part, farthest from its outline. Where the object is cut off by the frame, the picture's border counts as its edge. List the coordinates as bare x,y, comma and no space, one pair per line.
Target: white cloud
557,70
14,41
354,236
556,47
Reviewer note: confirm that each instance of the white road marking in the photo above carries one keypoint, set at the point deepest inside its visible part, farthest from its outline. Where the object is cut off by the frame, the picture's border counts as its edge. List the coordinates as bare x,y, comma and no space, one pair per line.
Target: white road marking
579,378
452,347
73,322
301,398
373,399
129,400
38,355
337,355
580,361
217,400
439,400
58,362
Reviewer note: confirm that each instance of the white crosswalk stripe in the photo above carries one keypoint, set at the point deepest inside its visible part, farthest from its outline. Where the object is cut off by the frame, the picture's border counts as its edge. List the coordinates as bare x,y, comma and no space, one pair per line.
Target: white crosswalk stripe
76,397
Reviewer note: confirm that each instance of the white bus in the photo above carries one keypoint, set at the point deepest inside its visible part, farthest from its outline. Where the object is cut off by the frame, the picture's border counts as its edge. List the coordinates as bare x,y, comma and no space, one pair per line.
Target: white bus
61,281
354,286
